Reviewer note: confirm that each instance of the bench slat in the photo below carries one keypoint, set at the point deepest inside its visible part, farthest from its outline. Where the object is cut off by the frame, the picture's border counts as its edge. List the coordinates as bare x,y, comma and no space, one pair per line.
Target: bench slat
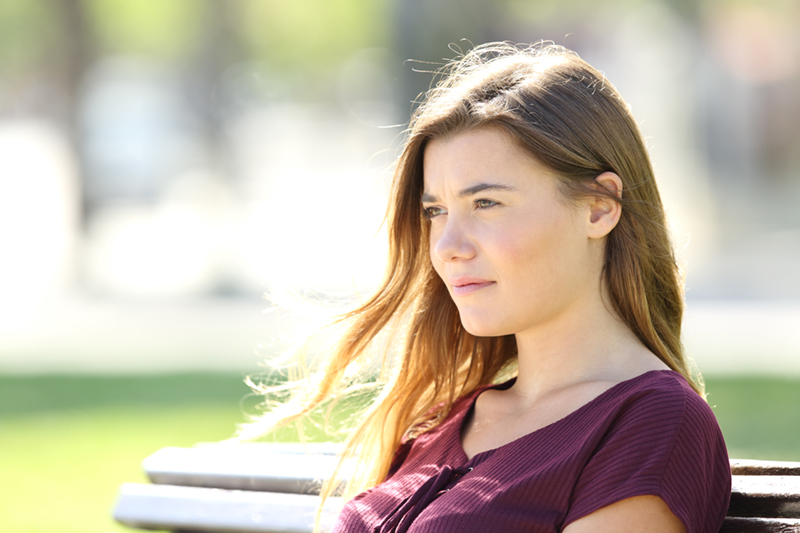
220,510
298,468
753,467
259,467
226,511
760,525
772,496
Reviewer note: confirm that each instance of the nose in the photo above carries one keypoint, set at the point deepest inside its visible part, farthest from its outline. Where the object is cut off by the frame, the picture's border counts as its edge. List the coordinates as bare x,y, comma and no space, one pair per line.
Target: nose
452,242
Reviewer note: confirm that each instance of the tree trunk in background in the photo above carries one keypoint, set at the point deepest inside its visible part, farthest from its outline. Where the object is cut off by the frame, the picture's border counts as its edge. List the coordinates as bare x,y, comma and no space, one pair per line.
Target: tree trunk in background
425,28
218,49
73,53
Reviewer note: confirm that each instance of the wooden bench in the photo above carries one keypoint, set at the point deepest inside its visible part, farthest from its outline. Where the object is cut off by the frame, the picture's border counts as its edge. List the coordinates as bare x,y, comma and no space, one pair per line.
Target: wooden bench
273,488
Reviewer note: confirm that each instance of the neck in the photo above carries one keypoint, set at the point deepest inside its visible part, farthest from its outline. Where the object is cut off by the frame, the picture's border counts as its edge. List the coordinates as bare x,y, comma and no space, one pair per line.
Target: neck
589,343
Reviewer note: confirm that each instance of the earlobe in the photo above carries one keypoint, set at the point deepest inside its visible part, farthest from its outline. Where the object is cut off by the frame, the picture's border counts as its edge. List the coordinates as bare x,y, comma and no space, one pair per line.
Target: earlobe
604,211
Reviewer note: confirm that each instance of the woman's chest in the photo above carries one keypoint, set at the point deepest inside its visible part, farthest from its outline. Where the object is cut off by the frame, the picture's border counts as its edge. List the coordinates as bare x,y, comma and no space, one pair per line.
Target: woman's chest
499,417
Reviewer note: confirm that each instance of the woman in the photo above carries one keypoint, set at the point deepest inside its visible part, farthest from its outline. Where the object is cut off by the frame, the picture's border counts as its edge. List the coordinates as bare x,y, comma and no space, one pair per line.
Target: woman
539,382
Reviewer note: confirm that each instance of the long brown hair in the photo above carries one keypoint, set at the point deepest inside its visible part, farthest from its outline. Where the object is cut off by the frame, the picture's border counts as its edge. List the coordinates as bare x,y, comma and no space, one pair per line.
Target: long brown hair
567,116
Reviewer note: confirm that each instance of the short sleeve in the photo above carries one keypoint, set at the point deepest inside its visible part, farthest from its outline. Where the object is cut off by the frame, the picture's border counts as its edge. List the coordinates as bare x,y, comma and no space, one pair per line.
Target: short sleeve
667,443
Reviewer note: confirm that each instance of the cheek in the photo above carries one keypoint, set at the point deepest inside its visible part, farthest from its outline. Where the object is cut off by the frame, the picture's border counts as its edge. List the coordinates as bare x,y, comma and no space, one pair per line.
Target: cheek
521,237
536,250
435,261
432,236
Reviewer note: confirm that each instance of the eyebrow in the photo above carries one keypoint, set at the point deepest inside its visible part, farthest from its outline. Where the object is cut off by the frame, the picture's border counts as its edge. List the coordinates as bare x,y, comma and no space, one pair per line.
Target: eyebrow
469,191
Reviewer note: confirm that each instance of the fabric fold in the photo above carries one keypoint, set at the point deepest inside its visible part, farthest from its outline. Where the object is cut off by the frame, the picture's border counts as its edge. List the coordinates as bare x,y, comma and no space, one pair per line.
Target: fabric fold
401,519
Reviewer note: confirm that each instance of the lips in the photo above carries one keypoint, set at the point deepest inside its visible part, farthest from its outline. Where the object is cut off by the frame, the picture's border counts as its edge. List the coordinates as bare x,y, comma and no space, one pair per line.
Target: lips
466,285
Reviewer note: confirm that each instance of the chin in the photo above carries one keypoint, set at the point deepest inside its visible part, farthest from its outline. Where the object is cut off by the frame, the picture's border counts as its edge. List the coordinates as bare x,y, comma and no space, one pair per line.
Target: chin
483,328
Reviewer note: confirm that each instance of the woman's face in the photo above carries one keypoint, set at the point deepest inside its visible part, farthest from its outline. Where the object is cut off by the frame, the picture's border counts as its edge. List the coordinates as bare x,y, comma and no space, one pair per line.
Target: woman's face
514,254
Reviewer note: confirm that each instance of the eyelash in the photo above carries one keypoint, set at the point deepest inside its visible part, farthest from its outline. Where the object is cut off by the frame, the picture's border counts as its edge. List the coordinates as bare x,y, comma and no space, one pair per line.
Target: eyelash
480,203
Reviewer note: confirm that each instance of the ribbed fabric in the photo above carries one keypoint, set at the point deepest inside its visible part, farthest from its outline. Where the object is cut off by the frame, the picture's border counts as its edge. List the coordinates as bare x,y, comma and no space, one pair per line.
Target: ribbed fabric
651,435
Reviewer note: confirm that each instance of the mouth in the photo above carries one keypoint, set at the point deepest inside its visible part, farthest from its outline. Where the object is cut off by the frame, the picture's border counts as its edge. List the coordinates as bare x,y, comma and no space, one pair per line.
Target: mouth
465,286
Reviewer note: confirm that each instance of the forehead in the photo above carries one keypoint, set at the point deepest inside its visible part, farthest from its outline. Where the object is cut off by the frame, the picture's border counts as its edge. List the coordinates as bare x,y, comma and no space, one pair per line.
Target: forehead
476,156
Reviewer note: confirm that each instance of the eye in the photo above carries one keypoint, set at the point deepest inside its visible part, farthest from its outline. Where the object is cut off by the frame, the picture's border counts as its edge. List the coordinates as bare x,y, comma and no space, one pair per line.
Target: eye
483,203
432,212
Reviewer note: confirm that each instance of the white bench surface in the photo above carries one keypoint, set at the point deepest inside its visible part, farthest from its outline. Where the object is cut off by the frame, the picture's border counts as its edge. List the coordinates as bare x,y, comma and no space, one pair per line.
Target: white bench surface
292,468
202,509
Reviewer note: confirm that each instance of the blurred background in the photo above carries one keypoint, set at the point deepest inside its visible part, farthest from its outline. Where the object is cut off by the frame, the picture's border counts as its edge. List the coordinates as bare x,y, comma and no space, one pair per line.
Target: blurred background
170,167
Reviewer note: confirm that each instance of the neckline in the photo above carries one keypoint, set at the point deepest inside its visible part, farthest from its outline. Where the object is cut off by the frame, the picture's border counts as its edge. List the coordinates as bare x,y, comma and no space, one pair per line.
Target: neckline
507,384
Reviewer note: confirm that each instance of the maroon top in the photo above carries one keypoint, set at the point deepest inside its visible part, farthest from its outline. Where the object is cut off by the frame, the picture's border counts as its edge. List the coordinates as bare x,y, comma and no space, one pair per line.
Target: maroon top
650,435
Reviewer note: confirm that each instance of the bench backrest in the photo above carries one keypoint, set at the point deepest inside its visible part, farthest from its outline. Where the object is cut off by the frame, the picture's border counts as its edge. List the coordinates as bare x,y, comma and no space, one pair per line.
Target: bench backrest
271,488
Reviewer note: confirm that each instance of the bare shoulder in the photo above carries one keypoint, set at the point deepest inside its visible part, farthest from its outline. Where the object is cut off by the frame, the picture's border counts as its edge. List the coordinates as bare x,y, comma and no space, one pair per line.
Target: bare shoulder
640,514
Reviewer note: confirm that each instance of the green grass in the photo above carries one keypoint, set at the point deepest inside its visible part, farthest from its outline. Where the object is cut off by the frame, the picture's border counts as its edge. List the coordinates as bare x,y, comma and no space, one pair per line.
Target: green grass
67,443
759,417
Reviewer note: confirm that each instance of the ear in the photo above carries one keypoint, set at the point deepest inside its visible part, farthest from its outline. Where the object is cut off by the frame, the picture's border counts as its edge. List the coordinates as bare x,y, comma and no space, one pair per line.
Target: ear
604,212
